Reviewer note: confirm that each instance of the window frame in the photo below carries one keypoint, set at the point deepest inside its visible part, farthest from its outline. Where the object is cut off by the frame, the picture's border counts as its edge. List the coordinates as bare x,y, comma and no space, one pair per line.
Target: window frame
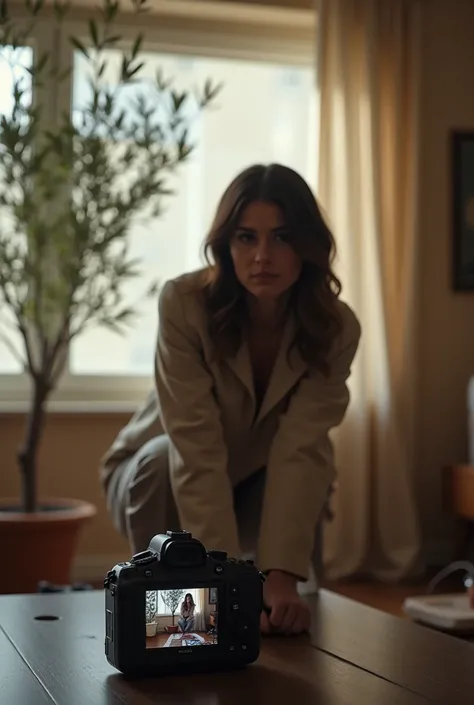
227,30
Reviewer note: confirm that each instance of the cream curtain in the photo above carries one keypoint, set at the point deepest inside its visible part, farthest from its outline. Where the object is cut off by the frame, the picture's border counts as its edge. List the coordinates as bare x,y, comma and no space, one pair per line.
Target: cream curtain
367,72
199,598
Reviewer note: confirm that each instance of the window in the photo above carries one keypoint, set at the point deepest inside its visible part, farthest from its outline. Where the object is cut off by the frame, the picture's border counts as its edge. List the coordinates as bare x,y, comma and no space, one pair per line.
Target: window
196,593
14,65
265,112
262,114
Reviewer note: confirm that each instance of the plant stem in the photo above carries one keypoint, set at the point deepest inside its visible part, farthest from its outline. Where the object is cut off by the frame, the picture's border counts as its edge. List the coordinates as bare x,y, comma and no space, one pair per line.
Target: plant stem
28,455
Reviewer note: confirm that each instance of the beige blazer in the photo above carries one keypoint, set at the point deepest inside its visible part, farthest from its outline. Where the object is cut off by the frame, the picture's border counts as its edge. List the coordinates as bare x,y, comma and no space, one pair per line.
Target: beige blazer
217,438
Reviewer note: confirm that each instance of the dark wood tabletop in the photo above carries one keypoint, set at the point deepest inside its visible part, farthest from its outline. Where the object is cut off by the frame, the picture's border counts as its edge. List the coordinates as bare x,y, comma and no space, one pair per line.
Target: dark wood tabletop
355,655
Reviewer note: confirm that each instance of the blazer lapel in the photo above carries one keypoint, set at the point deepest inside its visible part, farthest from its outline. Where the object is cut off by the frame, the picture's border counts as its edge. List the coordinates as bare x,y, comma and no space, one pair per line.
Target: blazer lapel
288,369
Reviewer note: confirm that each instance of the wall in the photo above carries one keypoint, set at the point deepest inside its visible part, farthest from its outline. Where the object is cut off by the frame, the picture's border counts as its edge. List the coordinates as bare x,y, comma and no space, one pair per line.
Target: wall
73,444
446,325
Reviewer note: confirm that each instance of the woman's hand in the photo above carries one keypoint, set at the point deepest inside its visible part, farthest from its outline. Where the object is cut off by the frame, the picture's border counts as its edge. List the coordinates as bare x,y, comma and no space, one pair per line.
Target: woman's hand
288,613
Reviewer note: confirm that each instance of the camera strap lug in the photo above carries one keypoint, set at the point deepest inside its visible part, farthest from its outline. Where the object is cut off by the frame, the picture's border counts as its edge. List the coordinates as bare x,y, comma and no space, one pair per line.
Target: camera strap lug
111,577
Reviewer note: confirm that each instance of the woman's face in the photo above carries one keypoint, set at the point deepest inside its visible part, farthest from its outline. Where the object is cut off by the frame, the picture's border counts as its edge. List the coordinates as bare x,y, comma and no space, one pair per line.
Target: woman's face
264,262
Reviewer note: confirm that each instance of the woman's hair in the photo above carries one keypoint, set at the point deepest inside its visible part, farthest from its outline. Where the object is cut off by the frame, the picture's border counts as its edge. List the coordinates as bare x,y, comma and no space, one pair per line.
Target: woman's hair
314,295
184,603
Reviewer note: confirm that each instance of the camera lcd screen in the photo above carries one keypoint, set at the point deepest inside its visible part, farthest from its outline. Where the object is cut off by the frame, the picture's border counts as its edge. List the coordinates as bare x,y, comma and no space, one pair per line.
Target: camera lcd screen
181,618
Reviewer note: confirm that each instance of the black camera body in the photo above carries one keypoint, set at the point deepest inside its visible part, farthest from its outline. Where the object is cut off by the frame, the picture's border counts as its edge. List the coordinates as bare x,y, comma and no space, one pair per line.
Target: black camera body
168,602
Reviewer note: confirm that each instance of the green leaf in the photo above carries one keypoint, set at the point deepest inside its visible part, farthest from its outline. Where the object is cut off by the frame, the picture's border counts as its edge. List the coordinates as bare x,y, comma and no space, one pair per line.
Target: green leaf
41,63
153,290
36,7
4,18
61,9
79,46
112,40
135,70
178,100
125,315
64,74
110,9
137,45
94,33
161,83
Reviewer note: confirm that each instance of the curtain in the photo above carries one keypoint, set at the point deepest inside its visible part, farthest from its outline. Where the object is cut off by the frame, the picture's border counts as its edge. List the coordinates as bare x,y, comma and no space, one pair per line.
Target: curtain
199,596
368,83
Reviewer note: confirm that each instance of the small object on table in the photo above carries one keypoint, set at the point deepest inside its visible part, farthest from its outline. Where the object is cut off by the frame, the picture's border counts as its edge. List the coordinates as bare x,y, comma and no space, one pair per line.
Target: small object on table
449,612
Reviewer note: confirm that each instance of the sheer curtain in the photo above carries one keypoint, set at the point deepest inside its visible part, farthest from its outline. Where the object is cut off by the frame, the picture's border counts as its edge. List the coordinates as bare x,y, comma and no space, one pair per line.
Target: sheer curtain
199,596
367,184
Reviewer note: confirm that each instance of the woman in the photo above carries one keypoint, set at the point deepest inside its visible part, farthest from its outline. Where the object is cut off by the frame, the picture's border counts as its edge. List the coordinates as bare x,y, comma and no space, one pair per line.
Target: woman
252,361
187,620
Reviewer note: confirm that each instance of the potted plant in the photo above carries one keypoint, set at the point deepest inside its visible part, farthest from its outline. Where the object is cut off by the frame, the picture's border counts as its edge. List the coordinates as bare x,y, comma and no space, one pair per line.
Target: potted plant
65,218
171,599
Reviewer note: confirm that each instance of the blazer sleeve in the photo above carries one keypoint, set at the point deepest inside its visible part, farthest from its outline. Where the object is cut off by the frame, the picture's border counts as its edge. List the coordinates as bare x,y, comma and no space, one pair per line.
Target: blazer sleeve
144,425
301,468
191,417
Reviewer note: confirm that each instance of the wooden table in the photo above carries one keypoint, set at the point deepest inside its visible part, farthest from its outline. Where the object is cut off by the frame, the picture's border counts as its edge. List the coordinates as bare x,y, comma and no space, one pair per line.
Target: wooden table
355,656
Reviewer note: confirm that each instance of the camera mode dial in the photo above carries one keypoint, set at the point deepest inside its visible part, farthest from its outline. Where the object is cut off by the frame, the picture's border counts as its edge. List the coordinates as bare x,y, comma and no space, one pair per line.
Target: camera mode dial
144,558
217,555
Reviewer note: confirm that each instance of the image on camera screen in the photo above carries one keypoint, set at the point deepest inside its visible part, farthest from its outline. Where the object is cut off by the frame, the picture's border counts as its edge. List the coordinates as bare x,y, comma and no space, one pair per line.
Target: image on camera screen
181,617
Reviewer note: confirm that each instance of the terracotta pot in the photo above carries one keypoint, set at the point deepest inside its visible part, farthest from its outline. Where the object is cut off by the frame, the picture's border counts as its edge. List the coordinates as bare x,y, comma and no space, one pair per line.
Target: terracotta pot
39,546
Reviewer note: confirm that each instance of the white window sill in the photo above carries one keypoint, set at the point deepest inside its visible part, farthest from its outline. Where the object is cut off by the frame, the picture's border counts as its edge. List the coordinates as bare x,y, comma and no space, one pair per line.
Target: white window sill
176,616
71,407
77,394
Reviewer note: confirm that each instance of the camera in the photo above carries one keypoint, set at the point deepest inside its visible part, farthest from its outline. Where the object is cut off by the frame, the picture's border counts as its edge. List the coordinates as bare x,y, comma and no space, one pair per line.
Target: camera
178,607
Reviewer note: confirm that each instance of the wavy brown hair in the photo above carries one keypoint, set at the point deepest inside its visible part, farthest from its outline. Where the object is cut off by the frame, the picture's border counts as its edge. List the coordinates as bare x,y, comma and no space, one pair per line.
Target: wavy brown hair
184,602
314,295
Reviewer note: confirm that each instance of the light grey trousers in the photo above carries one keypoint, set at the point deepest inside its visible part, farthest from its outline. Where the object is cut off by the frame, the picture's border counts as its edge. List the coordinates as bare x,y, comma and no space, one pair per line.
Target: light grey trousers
141,503
186,625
